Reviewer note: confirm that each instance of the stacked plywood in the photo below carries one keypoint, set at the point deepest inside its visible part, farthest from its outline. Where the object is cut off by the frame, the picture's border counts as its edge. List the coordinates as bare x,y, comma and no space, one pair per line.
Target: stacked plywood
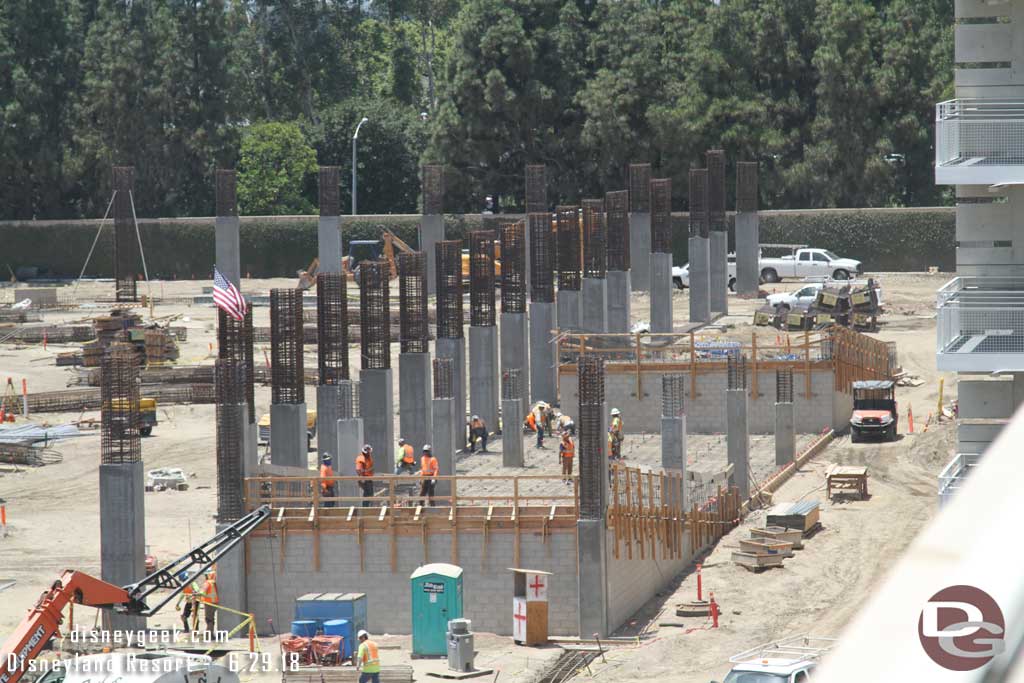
788,524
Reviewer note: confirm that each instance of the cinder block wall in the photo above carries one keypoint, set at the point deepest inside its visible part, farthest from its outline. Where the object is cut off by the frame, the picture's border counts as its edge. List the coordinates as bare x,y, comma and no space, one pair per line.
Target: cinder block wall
631,583
487,592
706,413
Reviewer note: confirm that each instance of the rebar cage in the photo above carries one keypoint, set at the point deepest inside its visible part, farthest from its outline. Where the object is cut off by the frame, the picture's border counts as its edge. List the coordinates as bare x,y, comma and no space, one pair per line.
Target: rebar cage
234,342
120,441
513,267
227,197
126,245
542,258
747,186
536,189
593,465
433,189
287,375
229,377
640,188
784,385
332,327
661,216
672,388
595,251
698,202
450,316
330,191
736,371
511,388
481,278
412,302
375,314
568,247
444,378
617,229
716,189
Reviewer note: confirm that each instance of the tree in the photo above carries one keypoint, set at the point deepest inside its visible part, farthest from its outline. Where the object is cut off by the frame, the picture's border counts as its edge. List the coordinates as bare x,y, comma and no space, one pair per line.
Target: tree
275,170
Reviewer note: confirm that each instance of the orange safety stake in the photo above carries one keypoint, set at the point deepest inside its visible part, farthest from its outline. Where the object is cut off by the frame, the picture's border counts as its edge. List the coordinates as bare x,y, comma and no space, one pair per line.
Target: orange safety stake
698,584
252,636
910,419
714,610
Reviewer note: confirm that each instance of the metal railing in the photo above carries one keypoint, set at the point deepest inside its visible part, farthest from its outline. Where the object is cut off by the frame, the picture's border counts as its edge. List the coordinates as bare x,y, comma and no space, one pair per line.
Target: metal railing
979,132
952,477
980,317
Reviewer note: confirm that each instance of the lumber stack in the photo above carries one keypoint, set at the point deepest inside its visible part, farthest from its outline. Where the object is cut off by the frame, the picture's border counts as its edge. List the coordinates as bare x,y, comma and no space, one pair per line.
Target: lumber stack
398,673
802,516
787,525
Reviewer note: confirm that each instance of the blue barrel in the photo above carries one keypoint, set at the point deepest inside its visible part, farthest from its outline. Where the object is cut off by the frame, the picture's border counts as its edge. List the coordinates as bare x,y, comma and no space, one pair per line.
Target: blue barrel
304,628
343,628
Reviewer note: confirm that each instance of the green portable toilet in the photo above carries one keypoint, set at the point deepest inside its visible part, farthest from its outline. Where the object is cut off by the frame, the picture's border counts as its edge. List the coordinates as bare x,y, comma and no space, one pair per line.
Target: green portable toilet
436,599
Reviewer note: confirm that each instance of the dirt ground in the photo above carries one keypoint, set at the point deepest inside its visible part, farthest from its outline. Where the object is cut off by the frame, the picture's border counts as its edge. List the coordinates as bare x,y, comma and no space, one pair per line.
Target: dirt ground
53,511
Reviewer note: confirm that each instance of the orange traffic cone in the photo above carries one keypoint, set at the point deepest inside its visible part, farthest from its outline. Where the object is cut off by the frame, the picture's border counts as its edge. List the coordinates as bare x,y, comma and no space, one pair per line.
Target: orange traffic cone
910,419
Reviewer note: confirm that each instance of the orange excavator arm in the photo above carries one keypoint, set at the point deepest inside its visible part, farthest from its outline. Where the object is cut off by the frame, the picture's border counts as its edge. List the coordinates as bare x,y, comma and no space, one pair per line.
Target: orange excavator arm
44,620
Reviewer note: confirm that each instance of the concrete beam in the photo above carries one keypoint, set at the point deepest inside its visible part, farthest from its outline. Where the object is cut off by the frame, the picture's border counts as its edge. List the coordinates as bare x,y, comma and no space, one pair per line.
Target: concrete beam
661,292
415,393
377,408
593,577
700,280
738,440
431,232
594,306
328,238
512,433
484,374
227,250
785,434
619,300
122,532
447,440
639,250
515,351
748,243
719,270
456,350
289,442
543,366
568,310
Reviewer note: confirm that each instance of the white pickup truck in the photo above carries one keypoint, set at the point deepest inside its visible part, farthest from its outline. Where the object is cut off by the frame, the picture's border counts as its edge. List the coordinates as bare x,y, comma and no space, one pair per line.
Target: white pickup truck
805,262
791,660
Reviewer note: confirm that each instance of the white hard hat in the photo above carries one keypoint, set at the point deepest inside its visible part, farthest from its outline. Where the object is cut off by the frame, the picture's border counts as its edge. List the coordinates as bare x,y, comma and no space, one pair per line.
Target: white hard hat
615,411
401,442
362,634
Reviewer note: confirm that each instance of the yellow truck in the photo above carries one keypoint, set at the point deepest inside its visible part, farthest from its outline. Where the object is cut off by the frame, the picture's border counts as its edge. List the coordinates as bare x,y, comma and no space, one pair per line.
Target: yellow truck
147,414
263,428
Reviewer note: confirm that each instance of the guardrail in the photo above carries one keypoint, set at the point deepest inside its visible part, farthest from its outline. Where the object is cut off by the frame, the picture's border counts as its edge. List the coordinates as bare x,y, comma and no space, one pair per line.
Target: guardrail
978,138
952,477
980,324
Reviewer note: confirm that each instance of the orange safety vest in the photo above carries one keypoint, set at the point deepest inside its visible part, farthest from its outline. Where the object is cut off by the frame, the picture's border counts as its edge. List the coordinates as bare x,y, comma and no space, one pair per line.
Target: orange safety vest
568,448
370,655
407,455
325,472
531,422
210,592
364,465
428,464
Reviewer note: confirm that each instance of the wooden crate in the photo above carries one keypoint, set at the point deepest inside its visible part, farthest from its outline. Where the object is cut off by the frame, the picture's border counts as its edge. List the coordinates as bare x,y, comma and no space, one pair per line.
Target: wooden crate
757,561
803,516
775,533
847,479
766,547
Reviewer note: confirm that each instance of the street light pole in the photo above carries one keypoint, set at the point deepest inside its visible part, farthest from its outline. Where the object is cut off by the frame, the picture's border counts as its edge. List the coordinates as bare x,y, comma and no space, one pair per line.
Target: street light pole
355,136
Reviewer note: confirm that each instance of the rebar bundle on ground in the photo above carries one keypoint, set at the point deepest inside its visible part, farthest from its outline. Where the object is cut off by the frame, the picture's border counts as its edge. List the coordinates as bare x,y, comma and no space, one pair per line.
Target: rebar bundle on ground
481,278
120,441
286,342
617,229
332,327
513,267
542,258
450,317
661,216
569,276
412,302
375,315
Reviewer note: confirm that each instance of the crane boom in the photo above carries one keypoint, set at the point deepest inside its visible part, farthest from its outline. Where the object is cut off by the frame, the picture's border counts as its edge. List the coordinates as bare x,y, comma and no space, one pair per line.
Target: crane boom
44,620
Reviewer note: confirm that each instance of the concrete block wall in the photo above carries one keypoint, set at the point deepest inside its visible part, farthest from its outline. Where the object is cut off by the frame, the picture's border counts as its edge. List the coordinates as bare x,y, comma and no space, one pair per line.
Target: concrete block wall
706,413
487,593
631,583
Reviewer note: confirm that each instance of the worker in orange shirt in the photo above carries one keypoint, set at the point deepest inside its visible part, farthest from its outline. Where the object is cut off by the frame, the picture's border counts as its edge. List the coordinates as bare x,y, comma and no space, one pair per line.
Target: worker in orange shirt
566,449
210,597
326,480
364,469
189,596
406,458
428,470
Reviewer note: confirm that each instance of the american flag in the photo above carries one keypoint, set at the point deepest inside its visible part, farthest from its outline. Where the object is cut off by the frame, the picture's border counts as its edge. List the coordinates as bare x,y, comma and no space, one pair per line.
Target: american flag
227,297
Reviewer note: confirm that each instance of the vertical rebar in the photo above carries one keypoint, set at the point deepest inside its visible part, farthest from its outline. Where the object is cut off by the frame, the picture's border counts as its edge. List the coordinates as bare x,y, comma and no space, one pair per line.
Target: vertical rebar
568,247
234,342
330,191
229,377
513,267
736,369
126,245
784,385
592,439
747,186
672,387
375,314
433,189
227,198
595,251
120,441
444,378
640,188
661,216
287,375
332,327
481,278
542,258
536,188
412,302
450,316
698,202
716,189
511,389
617,229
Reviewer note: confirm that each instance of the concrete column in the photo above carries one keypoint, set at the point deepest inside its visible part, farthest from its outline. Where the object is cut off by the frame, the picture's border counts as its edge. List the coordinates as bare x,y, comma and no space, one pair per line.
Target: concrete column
719,269
289,444
250,444
456,350
512,433
593,577
661,292
447,439
673,443
431,232
594,306
515,350
748,242
122,532
415,393
328,238
568,302
327,416
377,408
484,374
785,434
738,440
231,586
350,443
543,366
619,300
639,250
700,281
227,249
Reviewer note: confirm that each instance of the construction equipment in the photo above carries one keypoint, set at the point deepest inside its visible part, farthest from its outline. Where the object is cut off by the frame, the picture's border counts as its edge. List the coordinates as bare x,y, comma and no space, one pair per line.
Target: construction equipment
375,250
307,277
263,428
147,413
874,410
43,621
497,264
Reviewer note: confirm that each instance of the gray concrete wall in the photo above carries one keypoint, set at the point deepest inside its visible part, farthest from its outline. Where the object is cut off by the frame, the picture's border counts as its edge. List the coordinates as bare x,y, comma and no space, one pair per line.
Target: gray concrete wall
377,408
705,413
226,248
748,241
594,305
718,247
456,350
487,583
415,396
328,238
288,435
431,232
543,384
568,302
619,300
631,583
700,280
515,351
484,374
639,250
122,532
661,292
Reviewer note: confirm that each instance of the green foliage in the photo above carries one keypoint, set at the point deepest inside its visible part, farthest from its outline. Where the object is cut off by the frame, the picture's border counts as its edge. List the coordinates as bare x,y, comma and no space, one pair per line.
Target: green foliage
275,168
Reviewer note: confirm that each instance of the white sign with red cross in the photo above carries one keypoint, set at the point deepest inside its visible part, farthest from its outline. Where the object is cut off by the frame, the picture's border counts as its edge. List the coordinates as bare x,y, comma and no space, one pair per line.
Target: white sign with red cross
536,587
519,619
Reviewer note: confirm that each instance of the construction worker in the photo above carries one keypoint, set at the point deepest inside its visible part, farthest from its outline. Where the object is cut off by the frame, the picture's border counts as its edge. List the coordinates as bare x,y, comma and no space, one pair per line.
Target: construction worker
615,435
367,659
210,597
428,470
326,480
364,468
534,425
189,595
566,449
477,430
566,425
406,459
